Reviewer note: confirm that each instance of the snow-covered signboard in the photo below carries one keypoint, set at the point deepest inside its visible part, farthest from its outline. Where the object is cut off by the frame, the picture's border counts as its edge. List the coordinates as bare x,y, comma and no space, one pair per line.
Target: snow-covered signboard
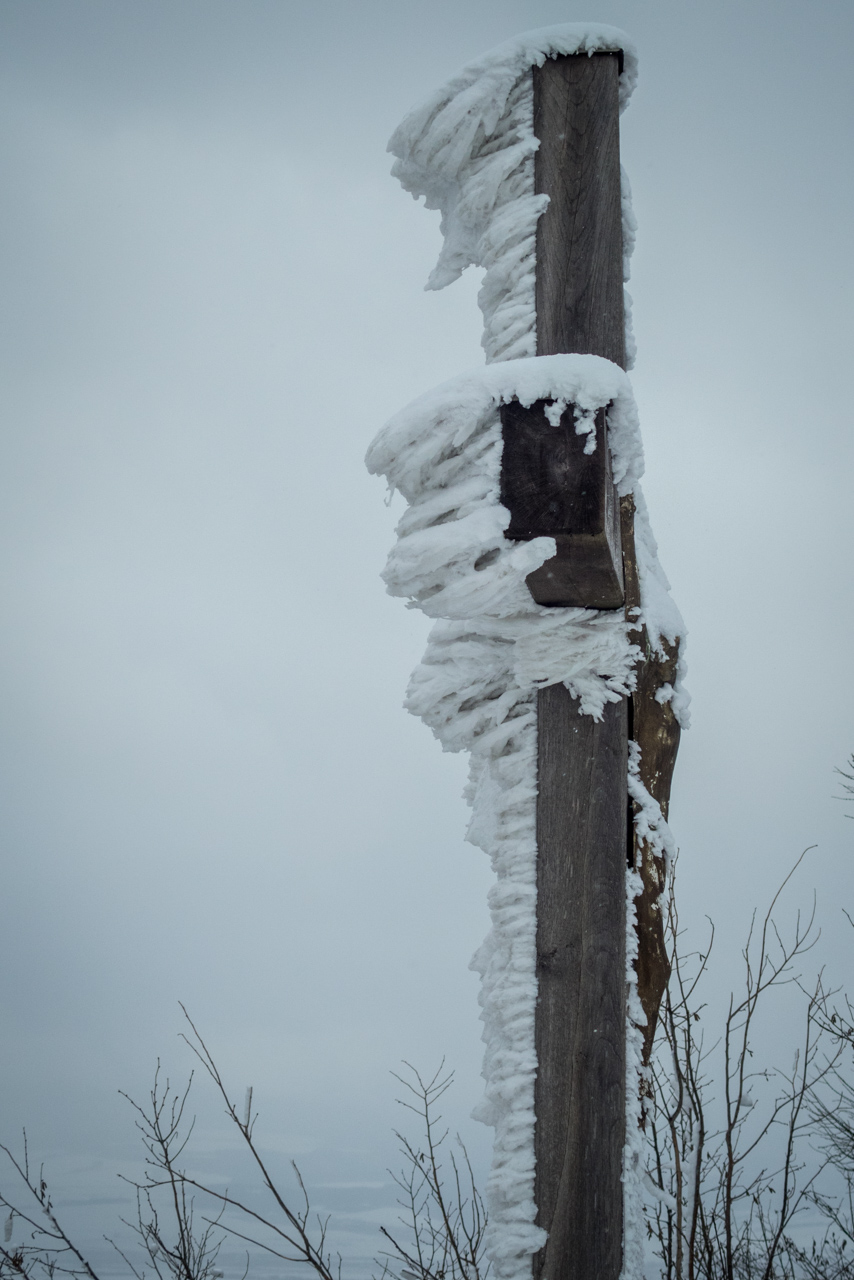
555,657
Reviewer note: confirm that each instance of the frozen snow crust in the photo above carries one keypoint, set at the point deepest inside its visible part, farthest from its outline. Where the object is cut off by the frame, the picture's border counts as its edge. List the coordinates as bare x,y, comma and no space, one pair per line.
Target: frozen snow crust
489,651
469,150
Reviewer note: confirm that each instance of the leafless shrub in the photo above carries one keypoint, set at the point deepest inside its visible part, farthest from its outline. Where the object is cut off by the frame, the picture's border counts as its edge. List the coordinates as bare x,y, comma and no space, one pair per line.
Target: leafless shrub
444,1233
47,1251
288,1233
728,1191
832,1114
848,784
182,1222
165,1225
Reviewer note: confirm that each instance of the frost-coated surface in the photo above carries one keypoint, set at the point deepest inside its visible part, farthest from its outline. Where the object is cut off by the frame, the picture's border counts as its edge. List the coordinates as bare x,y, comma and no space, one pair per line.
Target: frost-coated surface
469,149
489,651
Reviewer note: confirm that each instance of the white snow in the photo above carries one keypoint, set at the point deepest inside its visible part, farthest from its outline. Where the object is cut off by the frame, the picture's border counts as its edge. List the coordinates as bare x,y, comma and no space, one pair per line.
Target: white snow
469,150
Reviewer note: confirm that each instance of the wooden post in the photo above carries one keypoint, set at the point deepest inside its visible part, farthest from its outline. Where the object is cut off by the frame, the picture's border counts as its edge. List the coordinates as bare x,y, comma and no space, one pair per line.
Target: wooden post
582,804
580,1098
552,485
584,839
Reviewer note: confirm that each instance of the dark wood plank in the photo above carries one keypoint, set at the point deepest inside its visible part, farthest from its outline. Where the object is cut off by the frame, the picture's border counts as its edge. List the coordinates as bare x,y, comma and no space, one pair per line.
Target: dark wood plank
653,725
552,486
582,803
656,731
580,235
580,1026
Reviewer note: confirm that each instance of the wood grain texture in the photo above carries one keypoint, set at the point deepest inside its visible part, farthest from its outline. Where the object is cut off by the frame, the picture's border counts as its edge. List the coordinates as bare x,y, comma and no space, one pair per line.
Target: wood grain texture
580,236
582,806
580,1035
551,486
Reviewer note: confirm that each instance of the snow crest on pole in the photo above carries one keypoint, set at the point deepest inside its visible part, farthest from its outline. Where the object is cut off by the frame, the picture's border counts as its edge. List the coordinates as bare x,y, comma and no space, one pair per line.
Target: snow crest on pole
469,150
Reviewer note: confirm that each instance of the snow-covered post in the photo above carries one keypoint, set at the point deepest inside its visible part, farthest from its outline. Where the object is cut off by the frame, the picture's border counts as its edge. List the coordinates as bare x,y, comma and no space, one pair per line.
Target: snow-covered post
554,659
582,803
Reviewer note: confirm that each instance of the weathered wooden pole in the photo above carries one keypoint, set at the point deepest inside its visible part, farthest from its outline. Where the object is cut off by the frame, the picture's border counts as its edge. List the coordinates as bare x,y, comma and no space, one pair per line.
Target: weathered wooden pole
556,481
552,486
582,806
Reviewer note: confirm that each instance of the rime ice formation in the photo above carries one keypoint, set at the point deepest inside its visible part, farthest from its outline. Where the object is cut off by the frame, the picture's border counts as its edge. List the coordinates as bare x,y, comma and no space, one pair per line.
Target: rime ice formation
469,150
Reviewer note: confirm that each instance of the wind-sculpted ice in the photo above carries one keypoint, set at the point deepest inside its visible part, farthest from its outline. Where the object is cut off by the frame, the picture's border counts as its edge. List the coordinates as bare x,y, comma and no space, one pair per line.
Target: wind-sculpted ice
469,150
490,649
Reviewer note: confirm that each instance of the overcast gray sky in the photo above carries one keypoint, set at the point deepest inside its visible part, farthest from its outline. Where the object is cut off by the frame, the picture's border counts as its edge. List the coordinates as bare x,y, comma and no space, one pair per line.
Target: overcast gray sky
211,299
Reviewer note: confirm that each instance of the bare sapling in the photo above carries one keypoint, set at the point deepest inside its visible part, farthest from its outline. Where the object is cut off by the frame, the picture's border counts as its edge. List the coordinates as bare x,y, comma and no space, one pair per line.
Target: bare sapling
832,1257
444,1232
46,1250
165,1224
182,1221
731,1174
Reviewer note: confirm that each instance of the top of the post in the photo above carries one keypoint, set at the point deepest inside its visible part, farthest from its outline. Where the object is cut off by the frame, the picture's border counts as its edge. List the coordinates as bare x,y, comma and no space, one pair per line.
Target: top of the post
469,148
433,135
